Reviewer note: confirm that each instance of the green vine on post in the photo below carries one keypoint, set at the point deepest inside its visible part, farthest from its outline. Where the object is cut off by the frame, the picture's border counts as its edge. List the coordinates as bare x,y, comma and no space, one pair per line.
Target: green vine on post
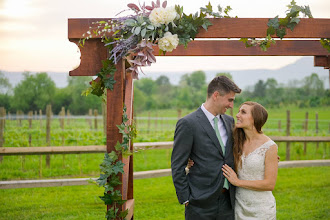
326,43
111,167
279,26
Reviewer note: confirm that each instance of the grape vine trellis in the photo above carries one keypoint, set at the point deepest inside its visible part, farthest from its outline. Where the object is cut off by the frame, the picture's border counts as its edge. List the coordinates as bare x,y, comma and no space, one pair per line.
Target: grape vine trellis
142,54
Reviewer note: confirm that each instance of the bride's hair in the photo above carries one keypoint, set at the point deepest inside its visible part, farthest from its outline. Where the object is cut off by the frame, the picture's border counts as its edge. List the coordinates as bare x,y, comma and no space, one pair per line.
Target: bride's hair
259,115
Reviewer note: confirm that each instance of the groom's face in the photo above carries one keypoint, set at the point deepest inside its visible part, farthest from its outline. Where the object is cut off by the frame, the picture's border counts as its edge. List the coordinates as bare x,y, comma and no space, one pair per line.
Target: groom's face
224,102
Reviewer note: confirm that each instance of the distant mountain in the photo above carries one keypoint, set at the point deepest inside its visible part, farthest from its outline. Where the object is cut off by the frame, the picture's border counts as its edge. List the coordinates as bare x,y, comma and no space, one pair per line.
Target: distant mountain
243,78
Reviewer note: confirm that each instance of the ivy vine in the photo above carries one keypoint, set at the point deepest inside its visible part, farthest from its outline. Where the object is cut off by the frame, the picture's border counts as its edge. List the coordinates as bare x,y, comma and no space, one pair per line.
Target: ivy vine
111,167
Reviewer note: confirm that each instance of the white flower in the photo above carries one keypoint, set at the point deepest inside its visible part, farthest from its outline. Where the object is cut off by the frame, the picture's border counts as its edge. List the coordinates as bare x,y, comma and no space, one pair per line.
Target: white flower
159,16
169,42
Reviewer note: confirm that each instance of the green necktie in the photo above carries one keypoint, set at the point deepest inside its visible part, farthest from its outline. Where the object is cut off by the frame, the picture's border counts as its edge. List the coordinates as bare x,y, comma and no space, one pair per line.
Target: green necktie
216,128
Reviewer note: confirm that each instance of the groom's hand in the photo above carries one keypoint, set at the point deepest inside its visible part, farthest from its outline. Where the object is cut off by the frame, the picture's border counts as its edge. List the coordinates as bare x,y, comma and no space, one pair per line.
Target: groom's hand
186,204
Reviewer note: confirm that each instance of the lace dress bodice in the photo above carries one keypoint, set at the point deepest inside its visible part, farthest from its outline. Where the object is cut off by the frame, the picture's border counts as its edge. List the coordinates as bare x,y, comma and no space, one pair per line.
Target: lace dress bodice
251,204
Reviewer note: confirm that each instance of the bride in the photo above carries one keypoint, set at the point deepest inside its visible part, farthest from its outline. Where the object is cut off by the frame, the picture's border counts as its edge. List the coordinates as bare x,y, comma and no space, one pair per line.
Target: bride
256,163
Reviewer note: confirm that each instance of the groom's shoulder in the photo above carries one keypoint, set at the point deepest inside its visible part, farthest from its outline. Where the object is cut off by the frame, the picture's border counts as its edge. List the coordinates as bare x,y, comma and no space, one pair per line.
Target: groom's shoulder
191,116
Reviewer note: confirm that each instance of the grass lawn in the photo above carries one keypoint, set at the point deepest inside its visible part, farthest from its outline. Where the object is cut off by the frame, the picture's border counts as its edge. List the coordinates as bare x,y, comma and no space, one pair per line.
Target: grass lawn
301,193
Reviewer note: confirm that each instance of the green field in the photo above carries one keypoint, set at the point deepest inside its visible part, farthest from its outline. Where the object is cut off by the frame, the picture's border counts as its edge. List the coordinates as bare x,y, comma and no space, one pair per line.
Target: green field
78,132
301,193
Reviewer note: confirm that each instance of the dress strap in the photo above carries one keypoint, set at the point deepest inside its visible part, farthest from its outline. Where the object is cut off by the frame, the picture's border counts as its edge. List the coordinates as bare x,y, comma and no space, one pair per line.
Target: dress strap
268,144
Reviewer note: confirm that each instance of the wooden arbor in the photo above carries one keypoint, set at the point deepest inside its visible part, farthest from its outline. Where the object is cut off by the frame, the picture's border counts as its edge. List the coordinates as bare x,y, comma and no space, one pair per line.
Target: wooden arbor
302,43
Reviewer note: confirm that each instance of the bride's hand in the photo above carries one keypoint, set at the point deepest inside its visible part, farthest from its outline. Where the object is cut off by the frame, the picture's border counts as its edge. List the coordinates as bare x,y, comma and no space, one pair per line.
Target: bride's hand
190,163
230,174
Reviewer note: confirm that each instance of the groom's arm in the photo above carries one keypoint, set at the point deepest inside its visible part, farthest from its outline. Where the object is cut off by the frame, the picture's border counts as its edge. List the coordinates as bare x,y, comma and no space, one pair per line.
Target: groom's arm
183,140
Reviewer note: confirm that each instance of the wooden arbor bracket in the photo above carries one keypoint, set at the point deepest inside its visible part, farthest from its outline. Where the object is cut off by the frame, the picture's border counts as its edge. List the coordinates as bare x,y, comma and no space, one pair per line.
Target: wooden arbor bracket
213,42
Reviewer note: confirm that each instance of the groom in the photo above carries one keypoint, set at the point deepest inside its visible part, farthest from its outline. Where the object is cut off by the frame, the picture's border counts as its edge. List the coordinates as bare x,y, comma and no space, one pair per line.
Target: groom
205,136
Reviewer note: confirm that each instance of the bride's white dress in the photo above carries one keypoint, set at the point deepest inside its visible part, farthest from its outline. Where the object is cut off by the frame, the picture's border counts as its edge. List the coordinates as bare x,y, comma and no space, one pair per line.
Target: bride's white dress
251,204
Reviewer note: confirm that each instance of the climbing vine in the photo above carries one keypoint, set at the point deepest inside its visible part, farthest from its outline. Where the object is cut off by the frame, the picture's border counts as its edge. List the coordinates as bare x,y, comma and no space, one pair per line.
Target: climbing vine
111,167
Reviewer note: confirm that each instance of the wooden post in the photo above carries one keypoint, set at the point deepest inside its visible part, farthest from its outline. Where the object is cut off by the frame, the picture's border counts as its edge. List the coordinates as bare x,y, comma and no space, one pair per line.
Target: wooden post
156,123
2,128
48,119
40,118
68,117
317,128
148,122
287,157
90,113
306,129
30,116
62,117
179,113
115,99
104,117
279,126
95,119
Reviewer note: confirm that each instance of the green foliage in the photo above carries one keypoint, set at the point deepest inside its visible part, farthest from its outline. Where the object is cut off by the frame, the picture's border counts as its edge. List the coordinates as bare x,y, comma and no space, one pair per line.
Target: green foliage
111,167
300,193
325,42
278,26
34,92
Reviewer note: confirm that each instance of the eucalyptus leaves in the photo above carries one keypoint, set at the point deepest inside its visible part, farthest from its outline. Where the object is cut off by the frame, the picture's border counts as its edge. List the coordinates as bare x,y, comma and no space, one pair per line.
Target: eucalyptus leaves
133,37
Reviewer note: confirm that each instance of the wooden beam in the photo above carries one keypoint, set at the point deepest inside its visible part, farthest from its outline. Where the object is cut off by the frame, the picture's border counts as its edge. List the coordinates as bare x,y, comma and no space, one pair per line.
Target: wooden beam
228,28
94,52
10,151
237,48
322,61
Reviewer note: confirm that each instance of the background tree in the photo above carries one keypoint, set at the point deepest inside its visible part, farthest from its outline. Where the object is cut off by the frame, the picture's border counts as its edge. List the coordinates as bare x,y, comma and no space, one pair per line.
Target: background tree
5,91
34,92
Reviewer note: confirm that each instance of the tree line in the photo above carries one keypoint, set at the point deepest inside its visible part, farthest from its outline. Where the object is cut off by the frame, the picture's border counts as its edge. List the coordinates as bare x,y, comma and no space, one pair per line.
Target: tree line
35,91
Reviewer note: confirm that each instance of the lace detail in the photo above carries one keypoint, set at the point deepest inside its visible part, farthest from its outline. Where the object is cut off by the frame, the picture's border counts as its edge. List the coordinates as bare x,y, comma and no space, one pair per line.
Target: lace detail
252,204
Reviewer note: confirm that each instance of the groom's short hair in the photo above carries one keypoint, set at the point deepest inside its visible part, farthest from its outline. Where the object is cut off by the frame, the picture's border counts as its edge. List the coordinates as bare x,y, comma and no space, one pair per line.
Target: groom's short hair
223,85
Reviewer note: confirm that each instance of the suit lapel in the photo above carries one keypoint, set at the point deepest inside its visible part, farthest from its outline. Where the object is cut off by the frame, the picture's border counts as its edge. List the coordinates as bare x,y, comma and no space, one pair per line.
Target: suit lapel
205,123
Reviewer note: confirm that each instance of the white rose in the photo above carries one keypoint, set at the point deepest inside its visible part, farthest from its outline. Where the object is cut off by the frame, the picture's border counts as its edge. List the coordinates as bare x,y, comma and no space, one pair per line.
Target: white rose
159,16
169,42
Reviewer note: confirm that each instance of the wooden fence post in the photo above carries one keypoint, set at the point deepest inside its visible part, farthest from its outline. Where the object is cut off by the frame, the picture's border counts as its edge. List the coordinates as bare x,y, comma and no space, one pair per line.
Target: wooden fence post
30,116
156,123
95,118
62,117
287,157
148,122
317,128
68,117
90,115
40,118
279,126
179,113
306,129
2,128
48,119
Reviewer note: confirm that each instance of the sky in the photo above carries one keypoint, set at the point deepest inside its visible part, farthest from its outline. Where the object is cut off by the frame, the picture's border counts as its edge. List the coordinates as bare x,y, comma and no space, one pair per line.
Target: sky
33,33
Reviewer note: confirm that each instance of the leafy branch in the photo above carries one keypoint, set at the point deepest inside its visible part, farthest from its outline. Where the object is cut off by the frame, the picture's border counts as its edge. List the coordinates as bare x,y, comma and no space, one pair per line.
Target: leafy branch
325,42
279,26
111,167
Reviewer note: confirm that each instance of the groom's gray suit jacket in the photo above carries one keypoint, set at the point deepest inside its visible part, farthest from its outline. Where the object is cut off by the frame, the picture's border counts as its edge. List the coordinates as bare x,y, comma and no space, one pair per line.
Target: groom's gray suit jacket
195,138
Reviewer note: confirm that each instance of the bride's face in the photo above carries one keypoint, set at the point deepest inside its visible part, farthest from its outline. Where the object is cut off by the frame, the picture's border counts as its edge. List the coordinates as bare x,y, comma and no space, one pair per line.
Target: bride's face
244,117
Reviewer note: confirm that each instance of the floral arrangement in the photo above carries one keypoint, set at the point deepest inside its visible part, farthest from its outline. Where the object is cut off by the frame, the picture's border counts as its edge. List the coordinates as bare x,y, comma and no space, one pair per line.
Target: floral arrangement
133,37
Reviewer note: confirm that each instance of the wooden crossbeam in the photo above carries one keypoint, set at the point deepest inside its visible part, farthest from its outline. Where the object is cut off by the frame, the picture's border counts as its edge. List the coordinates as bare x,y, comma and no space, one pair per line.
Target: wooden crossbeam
9,151
228,28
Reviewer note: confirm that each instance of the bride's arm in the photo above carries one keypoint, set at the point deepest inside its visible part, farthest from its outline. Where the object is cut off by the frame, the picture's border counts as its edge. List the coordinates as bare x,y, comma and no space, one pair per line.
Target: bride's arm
269,181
